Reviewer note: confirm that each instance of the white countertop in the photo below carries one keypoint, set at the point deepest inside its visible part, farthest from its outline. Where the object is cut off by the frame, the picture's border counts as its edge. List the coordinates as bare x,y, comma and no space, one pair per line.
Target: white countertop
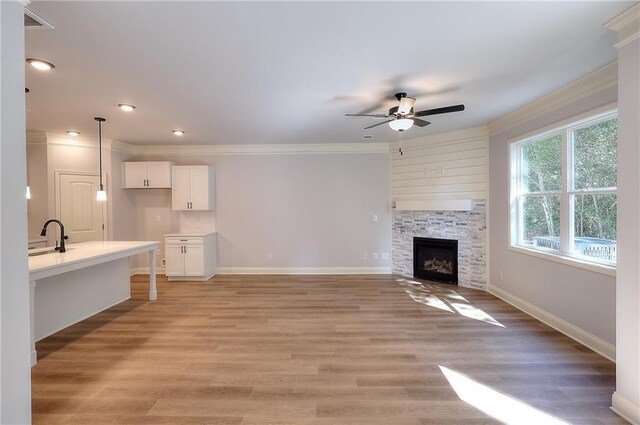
85,254
189,234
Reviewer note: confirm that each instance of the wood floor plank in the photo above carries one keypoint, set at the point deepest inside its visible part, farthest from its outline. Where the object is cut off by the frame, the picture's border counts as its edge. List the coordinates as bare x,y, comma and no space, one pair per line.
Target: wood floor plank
311,350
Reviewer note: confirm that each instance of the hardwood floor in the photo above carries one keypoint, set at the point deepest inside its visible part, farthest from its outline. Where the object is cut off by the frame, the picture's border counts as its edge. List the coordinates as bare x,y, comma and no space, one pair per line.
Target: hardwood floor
316,350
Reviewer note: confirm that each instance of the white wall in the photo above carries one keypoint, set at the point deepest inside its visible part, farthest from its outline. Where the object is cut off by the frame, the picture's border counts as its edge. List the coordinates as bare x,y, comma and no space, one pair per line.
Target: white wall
442,166
15,372
37,179
626,399
120,201
310,211
583,298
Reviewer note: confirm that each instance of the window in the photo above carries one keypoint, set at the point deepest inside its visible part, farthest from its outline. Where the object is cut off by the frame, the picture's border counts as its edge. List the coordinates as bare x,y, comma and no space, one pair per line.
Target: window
563,190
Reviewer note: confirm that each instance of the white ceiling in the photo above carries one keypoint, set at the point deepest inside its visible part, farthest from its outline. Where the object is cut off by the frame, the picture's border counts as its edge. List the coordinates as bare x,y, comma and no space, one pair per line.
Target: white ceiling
263,72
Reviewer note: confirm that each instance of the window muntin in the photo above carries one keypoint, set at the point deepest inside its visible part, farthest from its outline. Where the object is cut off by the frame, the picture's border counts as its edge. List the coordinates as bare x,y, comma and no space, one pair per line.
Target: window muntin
563,188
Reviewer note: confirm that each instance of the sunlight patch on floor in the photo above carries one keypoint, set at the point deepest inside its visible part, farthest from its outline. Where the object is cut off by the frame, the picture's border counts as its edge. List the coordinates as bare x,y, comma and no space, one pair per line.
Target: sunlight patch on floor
495,404
450,301
467,310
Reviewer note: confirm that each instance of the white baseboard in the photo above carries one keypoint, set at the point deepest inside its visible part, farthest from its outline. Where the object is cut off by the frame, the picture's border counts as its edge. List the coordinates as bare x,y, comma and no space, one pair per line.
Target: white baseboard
145,270
303,270
625,408
583,337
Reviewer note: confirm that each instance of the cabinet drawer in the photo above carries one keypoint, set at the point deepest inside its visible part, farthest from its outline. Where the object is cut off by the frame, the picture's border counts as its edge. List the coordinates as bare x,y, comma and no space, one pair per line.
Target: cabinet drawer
183,241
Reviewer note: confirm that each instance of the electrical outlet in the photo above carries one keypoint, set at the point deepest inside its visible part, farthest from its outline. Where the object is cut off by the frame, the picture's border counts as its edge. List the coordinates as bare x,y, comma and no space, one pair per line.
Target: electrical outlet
364,256
163,263
501,274
375,217
385,256
158,219
269,256
375,255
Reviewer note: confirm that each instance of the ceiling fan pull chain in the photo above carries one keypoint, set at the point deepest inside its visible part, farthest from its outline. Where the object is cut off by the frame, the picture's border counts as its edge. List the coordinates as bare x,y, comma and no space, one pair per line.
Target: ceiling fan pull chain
400,144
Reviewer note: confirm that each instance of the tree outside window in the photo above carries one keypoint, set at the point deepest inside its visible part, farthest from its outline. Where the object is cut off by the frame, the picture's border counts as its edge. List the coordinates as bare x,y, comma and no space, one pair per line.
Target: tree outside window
564,190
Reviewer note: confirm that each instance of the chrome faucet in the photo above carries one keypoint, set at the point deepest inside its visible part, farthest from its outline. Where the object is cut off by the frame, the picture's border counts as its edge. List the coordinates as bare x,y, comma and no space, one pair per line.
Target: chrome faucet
62,235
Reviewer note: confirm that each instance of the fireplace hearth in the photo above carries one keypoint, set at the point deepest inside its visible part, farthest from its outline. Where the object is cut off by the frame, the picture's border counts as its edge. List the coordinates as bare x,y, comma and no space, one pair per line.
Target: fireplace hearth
435,259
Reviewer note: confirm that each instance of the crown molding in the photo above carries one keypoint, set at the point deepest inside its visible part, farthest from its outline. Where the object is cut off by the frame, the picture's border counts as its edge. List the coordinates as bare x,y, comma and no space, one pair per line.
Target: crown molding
466,135
586,86
627,24
60,139
122,147
310,148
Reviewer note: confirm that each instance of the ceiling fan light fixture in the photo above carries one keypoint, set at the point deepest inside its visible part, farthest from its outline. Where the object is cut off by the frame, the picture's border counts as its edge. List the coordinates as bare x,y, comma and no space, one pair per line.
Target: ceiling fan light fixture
401,124
178,132
73,133
406,104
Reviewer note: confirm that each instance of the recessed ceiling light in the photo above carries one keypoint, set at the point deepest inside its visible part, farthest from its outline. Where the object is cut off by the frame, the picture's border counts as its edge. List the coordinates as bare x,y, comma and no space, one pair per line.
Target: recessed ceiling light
40,64
178,132
126,107
73,133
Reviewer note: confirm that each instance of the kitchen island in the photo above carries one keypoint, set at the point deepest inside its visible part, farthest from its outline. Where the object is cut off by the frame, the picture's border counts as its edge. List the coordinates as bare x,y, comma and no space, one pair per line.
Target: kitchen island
88,278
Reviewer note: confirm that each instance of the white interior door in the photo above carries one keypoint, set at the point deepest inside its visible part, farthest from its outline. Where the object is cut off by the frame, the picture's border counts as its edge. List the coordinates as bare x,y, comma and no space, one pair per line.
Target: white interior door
80,212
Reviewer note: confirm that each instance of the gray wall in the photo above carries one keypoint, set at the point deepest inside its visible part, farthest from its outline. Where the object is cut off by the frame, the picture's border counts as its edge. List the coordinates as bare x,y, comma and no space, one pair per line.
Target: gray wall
307,210
583,298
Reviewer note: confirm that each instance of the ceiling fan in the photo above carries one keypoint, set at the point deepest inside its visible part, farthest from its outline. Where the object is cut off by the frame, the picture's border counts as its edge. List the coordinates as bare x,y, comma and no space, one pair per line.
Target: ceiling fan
403,117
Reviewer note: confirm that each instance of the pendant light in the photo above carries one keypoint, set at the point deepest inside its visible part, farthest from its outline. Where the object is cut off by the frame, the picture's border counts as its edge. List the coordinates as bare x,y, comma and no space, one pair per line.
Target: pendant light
102,194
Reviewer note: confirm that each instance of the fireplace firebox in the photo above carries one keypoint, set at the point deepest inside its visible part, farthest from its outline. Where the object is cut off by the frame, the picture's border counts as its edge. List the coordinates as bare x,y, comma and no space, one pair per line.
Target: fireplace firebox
436,259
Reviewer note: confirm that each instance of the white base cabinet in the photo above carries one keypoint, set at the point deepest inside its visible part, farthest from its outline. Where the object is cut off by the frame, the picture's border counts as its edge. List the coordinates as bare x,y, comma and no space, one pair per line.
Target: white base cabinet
190,256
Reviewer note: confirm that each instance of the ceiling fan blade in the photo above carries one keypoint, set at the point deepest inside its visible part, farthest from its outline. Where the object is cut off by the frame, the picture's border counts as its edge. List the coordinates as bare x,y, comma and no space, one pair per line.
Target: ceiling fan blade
436,111
420,123
377,124
367,115
406,103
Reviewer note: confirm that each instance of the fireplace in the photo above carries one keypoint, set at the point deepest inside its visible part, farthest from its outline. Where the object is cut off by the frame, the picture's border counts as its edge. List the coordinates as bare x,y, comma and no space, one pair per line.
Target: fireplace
436,259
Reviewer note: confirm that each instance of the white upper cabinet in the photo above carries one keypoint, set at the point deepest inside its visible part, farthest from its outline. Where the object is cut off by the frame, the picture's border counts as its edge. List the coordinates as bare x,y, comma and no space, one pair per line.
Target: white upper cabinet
193,188
147,175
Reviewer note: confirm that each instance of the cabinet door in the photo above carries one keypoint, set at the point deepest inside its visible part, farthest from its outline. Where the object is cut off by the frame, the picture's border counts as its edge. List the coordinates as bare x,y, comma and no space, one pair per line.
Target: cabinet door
180,196
199,187
174,259
194,260
135,173
159,174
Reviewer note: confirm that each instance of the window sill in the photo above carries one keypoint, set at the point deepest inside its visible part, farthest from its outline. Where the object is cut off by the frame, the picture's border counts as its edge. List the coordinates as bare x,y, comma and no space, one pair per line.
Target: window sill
567,260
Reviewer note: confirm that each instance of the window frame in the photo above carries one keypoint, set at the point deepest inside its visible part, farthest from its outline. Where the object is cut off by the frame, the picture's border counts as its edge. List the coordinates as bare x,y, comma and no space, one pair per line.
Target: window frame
517,193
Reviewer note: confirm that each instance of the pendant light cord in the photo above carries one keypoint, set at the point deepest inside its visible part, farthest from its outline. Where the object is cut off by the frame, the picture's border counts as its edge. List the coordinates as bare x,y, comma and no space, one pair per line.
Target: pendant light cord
100,147
100,121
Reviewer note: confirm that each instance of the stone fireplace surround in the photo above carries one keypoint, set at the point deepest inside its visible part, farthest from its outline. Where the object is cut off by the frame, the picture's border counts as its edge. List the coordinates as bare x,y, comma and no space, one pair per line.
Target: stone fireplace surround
468,227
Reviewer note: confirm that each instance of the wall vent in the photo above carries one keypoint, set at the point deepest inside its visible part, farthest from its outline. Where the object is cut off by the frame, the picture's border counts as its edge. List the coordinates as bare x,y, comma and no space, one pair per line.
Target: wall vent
33,20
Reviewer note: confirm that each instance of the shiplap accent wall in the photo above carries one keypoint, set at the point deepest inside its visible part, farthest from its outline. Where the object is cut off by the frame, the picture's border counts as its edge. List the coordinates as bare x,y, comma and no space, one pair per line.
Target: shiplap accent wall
452,165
